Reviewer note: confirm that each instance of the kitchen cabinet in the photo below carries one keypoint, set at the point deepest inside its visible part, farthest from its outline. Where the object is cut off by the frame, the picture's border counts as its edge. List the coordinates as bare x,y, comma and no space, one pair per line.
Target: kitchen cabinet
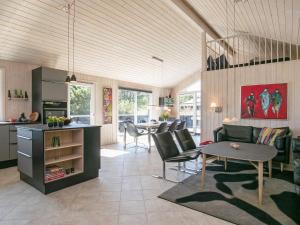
54,91
53,75
13,143
4,143
50,167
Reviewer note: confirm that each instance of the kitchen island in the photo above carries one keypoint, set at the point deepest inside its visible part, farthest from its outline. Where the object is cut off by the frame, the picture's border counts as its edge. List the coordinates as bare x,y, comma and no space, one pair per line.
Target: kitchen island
54,158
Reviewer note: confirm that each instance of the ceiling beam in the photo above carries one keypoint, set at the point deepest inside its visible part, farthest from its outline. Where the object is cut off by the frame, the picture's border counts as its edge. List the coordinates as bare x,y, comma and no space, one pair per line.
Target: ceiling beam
189,10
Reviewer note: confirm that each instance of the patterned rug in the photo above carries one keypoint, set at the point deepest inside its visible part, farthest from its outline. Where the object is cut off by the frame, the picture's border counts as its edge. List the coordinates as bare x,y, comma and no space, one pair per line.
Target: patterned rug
232,195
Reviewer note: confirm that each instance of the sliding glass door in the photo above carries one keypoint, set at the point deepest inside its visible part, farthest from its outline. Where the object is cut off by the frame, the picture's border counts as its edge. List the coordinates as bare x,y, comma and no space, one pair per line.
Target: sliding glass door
133,105
189,110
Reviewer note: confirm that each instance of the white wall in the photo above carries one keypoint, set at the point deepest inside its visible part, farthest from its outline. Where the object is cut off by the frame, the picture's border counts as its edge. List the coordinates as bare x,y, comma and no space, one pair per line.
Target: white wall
214,89
18,76
193,78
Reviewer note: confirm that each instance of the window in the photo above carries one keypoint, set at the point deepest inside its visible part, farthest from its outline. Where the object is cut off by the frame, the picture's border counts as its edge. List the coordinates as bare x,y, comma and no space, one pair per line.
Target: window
81,103
134,105
189,110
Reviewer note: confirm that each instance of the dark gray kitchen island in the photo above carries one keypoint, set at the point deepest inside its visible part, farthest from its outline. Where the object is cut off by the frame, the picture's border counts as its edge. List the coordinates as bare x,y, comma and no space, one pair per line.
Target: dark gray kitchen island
54,158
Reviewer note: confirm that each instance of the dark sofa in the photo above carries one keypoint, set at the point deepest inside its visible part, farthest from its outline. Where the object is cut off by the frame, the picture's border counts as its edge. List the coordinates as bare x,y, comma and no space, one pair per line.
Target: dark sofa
296,151
250,134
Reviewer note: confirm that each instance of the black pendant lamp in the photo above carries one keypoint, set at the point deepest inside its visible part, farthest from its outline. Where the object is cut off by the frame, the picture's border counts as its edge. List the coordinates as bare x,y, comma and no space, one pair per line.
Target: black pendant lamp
73,77
68,79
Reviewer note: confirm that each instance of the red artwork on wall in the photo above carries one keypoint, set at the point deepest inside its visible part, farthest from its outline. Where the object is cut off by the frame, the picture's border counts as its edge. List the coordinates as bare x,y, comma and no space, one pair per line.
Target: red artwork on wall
267,101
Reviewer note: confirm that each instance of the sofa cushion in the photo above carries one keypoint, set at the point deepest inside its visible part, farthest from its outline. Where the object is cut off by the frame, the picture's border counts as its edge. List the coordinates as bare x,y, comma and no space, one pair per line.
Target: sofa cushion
268,135
238,133
256,132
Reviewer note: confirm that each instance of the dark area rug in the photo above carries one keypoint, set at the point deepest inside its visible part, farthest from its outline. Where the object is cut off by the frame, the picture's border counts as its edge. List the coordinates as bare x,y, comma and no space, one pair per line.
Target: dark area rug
232,195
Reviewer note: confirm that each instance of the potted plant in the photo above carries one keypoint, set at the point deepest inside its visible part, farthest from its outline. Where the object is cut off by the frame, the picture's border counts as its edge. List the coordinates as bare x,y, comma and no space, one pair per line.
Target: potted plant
61,121
165,115
55,121
50,121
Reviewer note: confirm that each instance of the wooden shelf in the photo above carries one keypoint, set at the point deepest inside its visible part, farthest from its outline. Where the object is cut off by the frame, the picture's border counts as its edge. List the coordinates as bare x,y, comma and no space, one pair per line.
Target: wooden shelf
63,159
63,146
66,176
18,99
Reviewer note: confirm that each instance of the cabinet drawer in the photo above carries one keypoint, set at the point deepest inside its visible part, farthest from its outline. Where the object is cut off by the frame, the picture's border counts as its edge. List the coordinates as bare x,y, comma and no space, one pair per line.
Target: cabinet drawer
25,164
24,146
4,143
13,137
24,133
13,148
12,128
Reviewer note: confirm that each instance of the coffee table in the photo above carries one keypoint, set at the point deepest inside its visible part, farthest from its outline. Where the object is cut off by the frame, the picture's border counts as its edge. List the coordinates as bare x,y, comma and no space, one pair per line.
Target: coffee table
254,153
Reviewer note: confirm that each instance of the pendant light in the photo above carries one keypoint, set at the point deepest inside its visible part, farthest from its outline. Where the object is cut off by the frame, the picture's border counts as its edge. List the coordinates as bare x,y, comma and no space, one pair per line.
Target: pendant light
73,77
68,79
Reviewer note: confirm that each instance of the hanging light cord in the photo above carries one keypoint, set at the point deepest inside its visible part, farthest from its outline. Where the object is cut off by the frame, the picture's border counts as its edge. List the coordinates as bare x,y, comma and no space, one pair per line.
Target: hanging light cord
73,37
68,38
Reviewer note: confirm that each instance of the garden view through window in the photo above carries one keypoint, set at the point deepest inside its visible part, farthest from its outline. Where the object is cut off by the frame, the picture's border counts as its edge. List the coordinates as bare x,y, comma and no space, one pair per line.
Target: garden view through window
189,110
134,105
81,103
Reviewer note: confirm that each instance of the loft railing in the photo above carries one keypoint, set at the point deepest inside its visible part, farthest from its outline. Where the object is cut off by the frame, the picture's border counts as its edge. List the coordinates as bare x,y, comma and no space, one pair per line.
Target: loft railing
248,50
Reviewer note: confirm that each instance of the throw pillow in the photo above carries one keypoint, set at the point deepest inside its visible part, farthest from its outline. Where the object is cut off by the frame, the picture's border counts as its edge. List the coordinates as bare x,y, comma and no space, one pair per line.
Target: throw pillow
268,135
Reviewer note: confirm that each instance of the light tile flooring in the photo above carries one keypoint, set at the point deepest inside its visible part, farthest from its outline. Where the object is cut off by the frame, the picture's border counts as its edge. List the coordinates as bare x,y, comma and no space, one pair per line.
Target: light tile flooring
124,194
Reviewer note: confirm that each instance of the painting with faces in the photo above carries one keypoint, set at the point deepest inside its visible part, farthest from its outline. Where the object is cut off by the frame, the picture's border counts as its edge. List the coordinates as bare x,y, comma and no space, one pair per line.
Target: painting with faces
267,101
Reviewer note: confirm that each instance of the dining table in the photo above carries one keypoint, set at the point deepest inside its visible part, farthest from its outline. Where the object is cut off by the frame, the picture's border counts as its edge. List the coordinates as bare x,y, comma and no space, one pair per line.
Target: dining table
148,127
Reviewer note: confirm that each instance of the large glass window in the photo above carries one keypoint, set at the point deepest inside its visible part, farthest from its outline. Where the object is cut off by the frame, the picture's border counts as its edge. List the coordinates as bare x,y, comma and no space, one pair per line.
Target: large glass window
189,110
134,105
81,103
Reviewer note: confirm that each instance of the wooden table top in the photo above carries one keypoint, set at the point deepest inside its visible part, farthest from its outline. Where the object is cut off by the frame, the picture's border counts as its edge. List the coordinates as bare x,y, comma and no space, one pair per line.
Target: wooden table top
246,151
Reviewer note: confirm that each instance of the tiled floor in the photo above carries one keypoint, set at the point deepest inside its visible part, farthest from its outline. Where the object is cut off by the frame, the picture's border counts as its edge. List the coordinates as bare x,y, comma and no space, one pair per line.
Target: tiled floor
124,194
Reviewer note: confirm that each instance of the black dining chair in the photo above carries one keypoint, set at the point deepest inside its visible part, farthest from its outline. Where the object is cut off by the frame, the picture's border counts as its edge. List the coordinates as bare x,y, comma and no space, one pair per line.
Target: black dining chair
174,125
187,145
169,152
163,127
181,125
135,133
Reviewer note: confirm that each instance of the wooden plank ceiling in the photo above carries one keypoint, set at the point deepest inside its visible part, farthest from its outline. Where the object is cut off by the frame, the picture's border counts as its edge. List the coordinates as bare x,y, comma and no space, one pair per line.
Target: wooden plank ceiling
273,19
113,38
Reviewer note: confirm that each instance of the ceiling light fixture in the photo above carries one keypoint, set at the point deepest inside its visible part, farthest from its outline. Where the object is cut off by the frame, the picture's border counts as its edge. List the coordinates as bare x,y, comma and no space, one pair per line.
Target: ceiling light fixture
68,78
68,8
73,77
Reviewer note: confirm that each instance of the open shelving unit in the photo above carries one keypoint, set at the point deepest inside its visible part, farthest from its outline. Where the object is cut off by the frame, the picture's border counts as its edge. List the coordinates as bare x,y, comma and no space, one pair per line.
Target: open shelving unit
68,155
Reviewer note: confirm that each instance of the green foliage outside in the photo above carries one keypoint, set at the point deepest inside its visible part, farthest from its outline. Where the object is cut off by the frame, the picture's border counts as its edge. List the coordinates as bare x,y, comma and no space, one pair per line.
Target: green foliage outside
127,102
184,99
143,103
80,99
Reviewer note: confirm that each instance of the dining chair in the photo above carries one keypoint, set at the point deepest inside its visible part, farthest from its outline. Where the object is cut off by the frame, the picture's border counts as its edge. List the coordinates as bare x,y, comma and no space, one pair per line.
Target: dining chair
174,125
187,144
170,153
163,127
181,125
135,133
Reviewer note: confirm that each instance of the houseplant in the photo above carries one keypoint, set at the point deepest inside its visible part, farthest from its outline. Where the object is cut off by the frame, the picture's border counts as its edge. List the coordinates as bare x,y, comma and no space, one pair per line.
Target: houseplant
165,115
61,121
50,121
